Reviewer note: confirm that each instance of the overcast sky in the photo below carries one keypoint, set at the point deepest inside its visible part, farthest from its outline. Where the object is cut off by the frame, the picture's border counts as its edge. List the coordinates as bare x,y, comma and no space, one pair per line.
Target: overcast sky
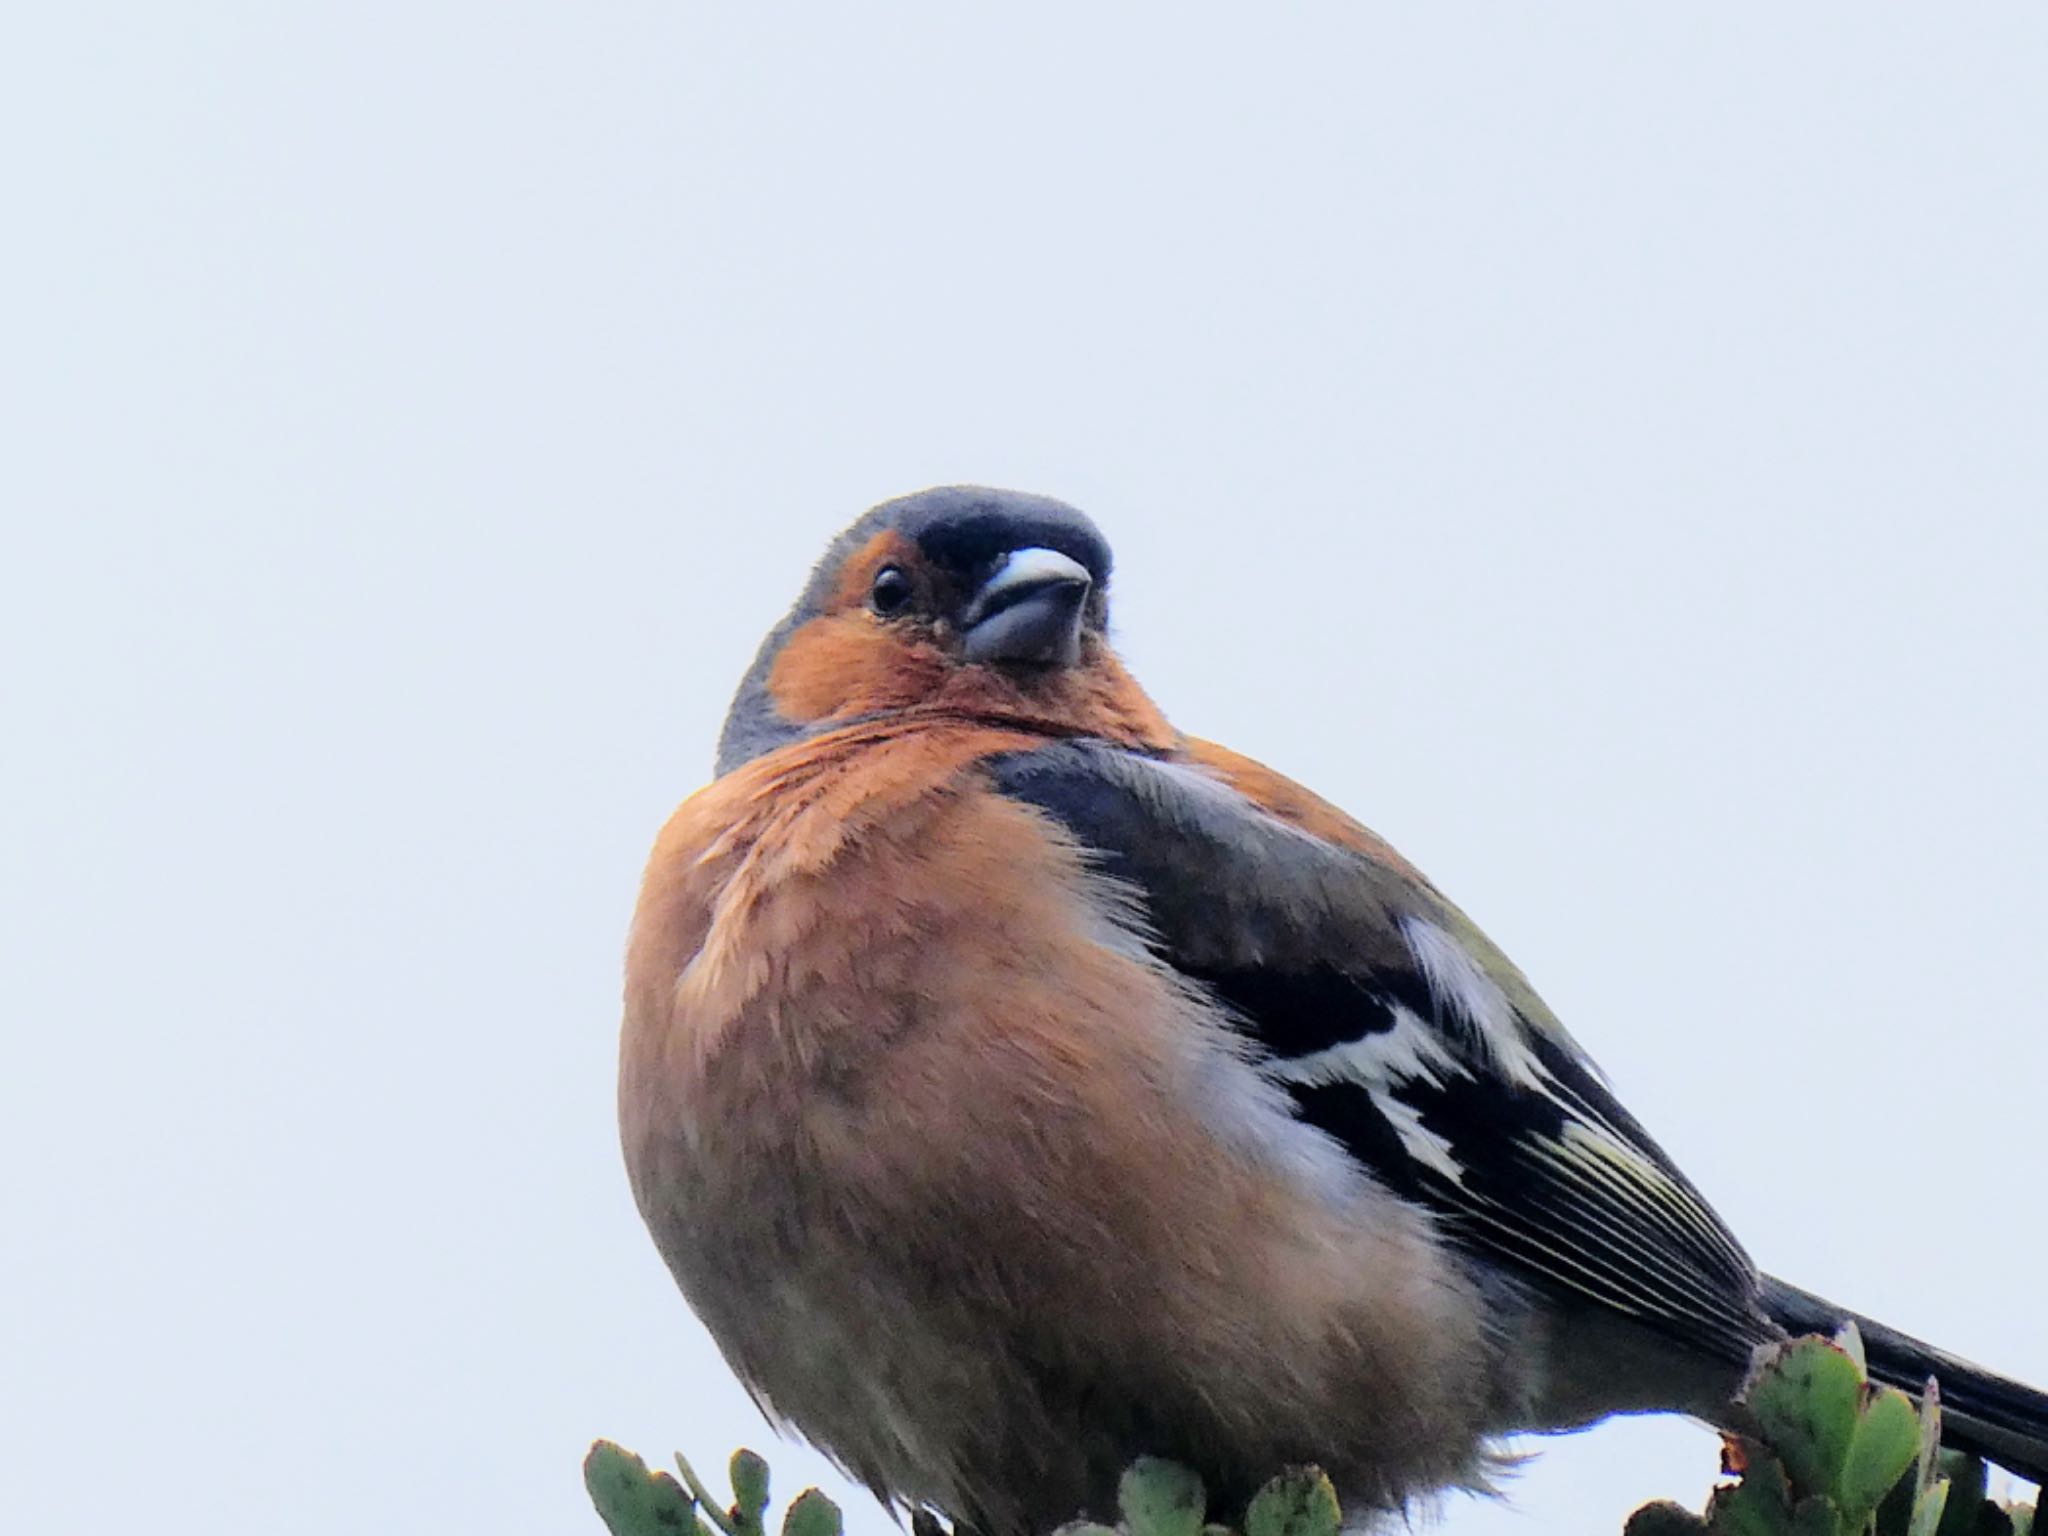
1602,446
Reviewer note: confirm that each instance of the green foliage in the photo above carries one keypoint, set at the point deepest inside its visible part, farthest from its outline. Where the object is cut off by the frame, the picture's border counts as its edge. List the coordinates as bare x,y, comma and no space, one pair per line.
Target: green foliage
1299,1502
634,1501
749,1475
1833,1454
1159,1498
1836,1454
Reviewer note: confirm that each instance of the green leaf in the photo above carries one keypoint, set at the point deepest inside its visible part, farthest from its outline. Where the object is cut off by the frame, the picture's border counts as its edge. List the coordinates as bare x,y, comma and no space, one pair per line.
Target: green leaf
1881,1452
1849,1340
1930,1439
1818,1516
634,1501
1299,1502
811,1514
749,1475
1895,1512
1966,1500
1805,1400
1759,1505
1928,1507
1161,1498
702,1495
1664,1518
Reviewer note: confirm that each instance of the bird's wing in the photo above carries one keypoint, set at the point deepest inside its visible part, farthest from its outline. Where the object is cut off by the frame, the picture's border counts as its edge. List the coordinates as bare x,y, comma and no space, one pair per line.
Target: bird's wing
1400,1030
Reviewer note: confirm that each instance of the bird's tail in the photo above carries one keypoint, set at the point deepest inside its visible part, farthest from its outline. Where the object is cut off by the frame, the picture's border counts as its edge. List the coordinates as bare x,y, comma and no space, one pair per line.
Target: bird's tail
1981,1413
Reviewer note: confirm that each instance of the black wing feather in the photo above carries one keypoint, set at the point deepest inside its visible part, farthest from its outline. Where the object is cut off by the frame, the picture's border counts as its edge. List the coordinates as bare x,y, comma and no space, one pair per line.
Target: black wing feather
1306,945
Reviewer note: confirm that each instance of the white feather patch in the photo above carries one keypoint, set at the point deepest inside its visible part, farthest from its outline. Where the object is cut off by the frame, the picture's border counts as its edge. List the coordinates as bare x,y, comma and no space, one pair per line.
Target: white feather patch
1379,1063
1461,987
1417,1139
1409,1052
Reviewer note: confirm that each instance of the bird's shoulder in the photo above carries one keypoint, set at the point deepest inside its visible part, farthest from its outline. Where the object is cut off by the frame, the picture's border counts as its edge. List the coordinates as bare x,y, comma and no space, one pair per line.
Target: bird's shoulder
1295,804
1241,869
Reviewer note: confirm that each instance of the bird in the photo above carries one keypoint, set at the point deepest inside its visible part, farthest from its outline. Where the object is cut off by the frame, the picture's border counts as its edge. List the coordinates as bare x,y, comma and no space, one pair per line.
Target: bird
1016,1085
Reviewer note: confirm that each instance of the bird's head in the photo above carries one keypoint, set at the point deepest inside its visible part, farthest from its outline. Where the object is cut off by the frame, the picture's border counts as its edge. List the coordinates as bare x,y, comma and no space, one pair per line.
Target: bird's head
957,601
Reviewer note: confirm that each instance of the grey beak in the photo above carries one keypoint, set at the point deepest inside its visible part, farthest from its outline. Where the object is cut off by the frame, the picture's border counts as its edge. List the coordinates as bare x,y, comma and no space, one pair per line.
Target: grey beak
1029,610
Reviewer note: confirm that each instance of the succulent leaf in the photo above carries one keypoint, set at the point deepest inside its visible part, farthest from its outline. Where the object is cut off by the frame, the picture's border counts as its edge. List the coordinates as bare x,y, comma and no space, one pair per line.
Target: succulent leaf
1759,1505
1927,1509
1299,1502
1881,1452
1664,1518
1966,1501
631,1500
1161,1498
1818,1516
706,1504
811,1514
749,1475
1805,1398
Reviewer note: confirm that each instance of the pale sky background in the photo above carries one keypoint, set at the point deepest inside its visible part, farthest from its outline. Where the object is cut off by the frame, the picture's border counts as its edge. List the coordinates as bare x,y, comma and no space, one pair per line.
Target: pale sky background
1604,446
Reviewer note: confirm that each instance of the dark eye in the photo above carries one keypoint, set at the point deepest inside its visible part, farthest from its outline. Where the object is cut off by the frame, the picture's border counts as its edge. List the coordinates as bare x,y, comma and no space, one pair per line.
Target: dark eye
891,592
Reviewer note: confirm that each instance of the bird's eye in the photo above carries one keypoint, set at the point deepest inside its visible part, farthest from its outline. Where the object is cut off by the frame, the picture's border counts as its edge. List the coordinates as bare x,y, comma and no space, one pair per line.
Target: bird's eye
891,593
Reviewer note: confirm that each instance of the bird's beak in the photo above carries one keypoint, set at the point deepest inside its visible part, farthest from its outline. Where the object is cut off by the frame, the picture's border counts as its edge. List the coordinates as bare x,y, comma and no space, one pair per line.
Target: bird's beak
1029,610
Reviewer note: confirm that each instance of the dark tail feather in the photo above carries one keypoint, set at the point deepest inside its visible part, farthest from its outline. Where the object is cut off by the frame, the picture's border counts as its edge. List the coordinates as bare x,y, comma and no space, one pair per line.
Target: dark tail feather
1981,1413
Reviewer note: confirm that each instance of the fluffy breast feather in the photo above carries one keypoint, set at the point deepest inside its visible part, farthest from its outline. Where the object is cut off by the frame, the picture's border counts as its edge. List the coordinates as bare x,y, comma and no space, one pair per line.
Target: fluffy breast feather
931,1138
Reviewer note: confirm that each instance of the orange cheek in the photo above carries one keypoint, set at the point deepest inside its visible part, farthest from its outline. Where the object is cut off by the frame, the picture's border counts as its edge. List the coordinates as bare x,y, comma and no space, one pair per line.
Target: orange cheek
845,664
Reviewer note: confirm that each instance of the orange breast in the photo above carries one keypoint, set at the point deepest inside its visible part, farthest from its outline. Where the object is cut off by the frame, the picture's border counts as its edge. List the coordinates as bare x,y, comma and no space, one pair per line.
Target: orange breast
961,1178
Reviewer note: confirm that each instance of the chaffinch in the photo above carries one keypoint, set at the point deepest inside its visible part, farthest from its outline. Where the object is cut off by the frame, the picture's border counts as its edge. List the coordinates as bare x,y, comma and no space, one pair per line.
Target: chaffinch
1016,1085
